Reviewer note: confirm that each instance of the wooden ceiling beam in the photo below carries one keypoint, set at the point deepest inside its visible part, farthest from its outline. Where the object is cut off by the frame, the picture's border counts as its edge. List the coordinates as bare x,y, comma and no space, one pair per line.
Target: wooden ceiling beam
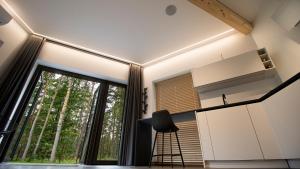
225,14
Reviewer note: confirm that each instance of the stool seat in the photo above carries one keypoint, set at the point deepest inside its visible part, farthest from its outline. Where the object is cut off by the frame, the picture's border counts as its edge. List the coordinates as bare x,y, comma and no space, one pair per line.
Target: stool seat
162,122
171,129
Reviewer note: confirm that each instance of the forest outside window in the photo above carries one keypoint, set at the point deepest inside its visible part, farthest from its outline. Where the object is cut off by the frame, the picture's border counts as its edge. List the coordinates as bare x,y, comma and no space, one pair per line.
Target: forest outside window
58,118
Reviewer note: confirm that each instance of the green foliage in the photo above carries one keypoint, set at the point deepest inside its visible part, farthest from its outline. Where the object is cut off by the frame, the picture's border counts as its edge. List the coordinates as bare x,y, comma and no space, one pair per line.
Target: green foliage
75,123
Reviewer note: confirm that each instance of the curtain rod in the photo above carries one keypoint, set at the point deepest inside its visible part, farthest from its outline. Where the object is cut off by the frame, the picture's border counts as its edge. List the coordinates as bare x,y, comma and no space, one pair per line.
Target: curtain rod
87,51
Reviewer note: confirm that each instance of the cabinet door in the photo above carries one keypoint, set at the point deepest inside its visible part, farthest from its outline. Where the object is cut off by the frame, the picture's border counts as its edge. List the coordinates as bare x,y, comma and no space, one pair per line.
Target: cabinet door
232,134
234,67
264,131
204,136
283,108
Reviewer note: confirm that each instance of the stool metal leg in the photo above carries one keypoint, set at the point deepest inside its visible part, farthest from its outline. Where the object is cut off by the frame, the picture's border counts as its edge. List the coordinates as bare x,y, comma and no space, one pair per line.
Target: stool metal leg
150,162
162,155
171,149
179,149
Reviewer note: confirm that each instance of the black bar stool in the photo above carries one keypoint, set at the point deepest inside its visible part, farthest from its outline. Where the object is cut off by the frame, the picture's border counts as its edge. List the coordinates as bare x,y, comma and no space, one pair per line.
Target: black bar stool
162,123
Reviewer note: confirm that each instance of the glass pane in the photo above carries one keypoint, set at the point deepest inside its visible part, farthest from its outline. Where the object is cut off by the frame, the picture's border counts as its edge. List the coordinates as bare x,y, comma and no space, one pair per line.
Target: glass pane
89,126
29,108
112,124
56,124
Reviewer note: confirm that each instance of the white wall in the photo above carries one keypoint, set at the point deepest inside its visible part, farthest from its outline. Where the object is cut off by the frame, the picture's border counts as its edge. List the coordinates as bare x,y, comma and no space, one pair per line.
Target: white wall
227,47
13,36
69,59
267,33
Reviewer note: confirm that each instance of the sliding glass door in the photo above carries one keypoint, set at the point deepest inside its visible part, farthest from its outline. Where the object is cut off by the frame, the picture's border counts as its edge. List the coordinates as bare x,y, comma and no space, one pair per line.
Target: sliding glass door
66,116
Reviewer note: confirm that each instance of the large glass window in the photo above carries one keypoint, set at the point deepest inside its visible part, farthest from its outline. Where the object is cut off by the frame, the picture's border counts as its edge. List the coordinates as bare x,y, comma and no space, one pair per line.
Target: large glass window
54,124
58,121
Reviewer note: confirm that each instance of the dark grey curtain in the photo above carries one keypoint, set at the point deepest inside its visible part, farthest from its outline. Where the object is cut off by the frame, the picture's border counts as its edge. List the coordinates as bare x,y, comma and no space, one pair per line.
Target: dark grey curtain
16,75
132,112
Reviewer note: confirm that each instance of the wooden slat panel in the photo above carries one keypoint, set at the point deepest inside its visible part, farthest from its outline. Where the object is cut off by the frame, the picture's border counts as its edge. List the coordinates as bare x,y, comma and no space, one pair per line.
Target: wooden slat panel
189,142
177,94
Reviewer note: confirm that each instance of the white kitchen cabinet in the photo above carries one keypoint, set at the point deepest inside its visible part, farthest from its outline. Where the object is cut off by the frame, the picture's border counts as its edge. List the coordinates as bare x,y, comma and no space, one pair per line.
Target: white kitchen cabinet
232,134
283,109
264,131
204,136
235,70
244,64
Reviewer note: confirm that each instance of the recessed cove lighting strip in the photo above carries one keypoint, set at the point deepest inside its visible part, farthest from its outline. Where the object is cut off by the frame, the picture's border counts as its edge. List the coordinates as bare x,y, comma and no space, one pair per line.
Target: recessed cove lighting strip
191,47
30,30
112,57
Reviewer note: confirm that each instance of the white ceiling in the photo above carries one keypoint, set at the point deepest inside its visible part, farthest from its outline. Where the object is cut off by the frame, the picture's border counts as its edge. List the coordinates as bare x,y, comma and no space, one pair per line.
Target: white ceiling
246,8
135,30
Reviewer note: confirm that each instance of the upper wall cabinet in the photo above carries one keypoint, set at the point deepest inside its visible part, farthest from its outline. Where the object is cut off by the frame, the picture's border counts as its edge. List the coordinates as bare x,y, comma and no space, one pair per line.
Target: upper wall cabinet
243,68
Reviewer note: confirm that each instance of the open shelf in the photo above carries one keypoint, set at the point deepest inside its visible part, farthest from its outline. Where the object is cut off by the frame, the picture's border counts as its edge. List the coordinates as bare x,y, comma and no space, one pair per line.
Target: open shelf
261,51
265,58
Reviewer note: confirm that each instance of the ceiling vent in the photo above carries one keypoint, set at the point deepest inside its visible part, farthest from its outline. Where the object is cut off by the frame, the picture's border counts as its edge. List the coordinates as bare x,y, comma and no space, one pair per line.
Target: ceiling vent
287,16
1,43
4,16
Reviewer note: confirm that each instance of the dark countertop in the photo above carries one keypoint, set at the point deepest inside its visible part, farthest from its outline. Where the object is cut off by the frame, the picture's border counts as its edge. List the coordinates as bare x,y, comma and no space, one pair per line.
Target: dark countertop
188,115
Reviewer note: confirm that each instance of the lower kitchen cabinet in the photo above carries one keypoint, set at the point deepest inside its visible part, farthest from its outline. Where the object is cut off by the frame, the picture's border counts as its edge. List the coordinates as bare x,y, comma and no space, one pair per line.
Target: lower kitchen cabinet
204,136
283,109
264,131
232,134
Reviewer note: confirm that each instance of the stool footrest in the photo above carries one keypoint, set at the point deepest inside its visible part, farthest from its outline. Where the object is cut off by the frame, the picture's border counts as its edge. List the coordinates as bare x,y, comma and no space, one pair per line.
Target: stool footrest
166,155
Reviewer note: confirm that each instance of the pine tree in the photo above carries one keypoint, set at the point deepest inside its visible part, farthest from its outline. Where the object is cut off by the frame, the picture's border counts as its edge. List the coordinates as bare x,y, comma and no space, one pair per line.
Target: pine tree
60,121
45,122
39,108
84,115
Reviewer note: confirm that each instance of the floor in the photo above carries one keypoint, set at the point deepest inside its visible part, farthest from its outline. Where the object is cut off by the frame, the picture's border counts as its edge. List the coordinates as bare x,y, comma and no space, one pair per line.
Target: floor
27,166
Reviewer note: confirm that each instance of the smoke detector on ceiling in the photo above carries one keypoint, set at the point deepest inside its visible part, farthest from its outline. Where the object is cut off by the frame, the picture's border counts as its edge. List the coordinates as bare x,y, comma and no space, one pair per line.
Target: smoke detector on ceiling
171,10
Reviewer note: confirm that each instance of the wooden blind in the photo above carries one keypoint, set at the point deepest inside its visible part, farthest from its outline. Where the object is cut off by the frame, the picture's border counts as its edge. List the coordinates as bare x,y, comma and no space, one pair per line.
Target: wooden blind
189,143
177,94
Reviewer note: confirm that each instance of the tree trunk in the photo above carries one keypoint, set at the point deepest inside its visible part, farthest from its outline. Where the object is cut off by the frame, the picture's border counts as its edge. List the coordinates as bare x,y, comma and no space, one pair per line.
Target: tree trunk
79,124
45,123
77,140
84,124
33,124
60,121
